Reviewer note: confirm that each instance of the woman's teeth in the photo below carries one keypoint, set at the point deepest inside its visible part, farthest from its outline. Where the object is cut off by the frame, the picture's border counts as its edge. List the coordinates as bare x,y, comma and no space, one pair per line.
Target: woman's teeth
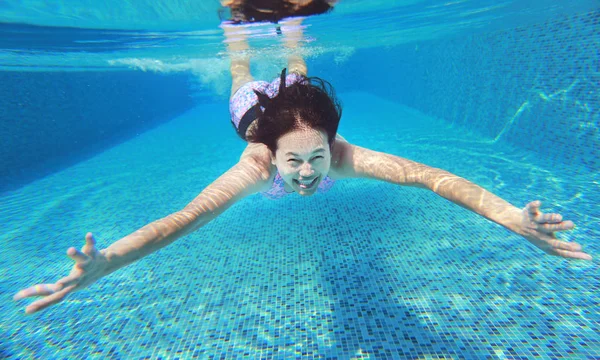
305,184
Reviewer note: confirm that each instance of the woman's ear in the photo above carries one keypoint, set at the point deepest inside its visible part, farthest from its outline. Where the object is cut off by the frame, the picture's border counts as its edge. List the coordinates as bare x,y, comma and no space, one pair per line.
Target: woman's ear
273,160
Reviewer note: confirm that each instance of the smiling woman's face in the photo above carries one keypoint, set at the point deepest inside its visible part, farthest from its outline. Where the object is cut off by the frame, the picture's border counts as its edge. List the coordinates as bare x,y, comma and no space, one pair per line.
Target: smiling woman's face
303,159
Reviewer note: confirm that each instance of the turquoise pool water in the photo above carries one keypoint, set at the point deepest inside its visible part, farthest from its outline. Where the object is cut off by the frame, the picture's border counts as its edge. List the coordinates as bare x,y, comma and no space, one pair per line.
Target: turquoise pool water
367,270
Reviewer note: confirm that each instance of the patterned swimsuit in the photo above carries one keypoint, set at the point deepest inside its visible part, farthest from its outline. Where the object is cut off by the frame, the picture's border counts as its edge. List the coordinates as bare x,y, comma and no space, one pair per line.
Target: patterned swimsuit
277,190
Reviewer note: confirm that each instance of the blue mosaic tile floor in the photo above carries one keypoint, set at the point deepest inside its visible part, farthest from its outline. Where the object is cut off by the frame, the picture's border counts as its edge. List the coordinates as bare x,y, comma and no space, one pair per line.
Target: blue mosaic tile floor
366,271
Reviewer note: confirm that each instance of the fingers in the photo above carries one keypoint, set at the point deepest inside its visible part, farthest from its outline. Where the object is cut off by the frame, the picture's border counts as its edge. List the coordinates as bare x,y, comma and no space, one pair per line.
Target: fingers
48,300
90,244
569,250
48,289
572,254
77,255
549,222
563,226
533,207
55,293
69,280
37,290
548,218
557,244
87,251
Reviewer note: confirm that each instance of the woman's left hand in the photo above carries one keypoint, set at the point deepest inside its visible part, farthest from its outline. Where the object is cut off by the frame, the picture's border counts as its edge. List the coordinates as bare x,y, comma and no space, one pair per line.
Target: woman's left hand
540,228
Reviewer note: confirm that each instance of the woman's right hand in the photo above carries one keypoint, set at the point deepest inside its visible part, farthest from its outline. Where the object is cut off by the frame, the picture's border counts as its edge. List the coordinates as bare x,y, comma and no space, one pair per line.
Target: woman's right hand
90,265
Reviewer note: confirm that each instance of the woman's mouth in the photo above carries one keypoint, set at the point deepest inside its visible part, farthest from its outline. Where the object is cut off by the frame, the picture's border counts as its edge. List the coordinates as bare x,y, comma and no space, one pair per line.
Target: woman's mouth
306,184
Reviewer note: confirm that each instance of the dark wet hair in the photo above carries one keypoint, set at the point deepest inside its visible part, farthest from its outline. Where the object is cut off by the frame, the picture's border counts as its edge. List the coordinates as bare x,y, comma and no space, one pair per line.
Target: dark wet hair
274,10
309,102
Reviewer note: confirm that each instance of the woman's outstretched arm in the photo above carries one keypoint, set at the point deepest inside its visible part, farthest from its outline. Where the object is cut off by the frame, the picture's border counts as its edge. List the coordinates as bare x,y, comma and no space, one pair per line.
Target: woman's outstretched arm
243,179
530,222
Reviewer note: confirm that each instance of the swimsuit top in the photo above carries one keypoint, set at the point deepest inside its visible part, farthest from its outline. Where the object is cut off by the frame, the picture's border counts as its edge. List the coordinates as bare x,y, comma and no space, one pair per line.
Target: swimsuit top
277,190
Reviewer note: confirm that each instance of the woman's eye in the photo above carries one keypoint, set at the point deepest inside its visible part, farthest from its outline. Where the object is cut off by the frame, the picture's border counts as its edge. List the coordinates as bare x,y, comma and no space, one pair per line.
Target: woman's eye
296,161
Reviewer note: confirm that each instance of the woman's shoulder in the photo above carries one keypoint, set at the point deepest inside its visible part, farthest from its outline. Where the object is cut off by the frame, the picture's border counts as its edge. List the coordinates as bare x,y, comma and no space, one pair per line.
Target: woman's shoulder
260,156
257,151
340,158
340,147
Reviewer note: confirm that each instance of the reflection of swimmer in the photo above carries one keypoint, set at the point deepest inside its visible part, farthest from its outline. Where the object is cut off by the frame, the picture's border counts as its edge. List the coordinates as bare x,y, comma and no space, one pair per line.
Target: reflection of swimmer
293,147
249,11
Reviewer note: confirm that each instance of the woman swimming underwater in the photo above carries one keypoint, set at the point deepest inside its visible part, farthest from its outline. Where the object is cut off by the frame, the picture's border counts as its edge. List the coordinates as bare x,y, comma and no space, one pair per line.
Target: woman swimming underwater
291,127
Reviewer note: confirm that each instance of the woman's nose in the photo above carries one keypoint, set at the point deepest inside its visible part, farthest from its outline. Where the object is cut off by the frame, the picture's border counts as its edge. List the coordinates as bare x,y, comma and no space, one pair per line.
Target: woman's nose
306,170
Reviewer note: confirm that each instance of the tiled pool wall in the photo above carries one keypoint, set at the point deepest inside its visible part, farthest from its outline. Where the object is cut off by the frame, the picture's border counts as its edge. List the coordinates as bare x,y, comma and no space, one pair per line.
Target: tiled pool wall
536,87
49,120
